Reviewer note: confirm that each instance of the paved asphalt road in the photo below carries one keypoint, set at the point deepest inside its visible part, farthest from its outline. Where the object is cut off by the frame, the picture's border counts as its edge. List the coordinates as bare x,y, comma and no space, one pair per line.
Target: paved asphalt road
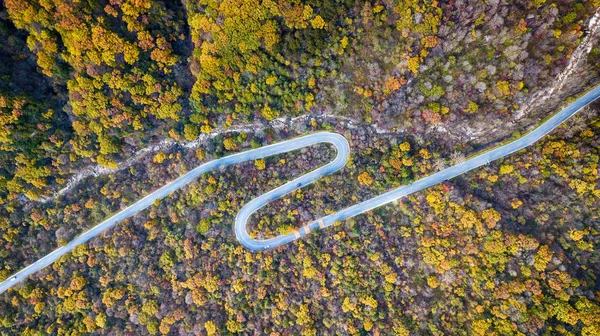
343,150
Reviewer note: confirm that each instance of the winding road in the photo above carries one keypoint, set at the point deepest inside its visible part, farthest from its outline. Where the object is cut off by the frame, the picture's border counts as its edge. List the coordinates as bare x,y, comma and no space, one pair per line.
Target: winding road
343,151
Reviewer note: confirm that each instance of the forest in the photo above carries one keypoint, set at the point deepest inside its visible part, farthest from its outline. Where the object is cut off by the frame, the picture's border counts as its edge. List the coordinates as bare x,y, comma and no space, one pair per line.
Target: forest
416,86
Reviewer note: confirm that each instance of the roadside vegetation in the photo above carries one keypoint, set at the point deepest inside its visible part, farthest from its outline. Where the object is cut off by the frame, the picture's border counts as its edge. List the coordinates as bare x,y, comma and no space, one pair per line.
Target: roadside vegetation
510,248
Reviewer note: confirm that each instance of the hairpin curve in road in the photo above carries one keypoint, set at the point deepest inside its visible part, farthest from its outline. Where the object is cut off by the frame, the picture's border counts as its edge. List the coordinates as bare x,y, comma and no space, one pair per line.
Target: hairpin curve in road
343,150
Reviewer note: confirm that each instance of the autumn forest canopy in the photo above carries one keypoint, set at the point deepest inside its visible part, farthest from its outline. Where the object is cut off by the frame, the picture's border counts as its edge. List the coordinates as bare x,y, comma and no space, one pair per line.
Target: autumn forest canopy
138,92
